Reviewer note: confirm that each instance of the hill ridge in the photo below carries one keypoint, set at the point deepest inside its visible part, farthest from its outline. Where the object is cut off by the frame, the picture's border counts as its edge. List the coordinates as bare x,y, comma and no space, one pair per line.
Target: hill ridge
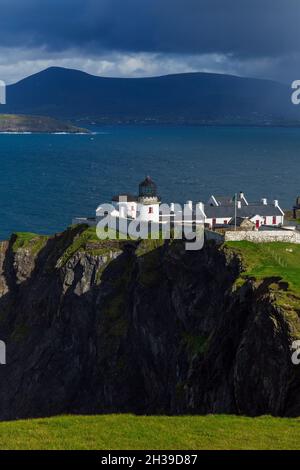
188,98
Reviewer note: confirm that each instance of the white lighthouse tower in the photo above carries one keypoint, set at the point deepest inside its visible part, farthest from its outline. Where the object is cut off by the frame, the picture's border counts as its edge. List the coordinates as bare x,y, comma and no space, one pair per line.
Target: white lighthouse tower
148,201
144,207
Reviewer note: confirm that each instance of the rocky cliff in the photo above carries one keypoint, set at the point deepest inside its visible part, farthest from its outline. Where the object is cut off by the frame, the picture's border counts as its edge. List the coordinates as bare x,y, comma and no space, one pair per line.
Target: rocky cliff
145,327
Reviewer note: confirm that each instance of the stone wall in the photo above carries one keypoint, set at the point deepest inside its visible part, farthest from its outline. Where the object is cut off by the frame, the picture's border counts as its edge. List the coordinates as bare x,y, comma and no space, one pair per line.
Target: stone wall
287,236
217,237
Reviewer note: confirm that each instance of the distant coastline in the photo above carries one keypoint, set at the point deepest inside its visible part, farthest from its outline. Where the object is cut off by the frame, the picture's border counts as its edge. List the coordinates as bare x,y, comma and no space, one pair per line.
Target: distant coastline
161,123
24,124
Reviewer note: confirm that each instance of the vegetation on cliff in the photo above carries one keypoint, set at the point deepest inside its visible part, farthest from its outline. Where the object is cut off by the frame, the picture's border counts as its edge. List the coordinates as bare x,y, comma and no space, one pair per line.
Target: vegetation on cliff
29,241
278,264
266,260
87,241
117,326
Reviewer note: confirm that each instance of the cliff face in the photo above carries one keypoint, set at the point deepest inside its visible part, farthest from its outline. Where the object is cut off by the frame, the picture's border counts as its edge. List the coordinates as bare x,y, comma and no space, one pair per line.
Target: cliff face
146,328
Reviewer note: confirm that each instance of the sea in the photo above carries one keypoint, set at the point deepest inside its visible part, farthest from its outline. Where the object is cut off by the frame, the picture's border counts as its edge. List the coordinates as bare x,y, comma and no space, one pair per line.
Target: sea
47,180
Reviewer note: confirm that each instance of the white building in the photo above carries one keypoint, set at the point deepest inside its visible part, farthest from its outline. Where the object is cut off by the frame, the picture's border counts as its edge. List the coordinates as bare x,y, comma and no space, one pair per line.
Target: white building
144,207
222,210
217,212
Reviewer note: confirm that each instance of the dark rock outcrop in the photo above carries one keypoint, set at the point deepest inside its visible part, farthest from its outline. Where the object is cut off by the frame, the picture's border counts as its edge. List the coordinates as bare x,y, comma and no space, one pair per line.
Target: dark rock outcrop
143,328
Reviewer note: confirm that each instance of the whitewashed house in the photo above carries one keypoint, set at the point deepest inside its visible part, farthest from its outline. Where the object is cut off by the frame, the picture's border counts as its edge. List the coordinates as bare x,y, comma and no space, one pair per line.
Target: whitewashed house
220,211
217,212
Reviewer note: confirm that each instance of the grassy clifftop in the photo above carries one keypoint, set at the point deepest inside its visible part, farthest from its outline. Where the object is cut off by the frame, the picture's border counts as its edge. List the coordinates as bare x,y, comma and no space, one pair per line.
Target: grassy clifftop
275,267
263,260
131,432
260,260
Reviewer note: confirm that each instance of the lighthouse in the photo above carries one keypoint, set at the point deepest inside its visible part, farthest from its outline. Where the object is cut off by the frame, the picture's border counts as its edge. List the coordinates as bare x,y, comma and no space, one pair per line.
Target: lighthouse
148,201
144,207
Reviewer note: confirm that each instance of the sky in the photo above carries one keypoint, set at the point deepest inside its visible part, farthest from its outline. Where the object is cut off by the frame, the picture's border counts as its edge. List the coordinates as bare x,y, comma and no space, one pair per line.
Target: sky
137,38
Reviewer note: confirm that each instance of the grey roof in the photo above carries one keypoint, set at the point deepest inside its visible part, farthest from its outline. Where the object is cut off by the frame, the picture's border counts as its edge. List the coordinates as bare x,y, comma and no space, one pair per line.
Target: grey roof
147,187
224,200
148,181
249,211
228,200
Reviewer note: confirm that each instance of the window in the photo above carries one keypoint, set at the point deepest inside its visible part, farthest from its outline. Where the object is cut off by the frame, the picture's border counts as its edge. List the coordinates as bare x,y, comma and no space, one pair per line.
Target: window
150,210
225,222
274,219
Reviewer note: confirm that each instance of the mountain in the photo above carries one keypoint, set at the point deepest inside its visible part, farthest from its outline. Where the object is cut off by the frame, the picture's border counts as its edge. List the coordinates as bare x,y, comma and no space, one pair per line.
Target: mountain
185,98
22,123
144,327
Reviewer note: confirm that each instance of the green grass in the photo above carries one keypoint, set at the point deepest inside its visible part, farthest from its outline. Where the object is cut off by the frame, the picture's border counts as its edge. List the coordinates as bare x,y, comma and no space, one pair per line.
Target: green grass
28,240
263,260
112,432
88,241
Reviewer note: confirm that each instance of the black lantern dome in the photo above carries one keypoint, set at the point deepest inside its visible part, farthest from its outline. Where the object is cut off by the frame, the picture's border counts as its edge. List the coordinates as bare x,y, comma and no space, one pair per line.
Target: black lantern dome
147,188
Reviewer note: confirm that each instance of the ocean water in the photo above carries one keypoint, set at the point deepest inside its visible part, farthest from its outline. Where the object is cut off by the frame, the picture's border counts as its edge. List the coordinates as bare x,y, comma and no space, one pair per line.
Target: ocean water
46,180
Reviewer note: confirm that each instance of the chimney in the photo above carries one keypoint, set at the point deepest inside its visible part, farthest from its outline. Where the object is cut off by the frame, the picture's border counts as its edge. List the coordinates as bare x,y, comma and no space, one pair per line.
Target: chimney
264,201
172,207
190,204
122,211
241,195
200,207
275,202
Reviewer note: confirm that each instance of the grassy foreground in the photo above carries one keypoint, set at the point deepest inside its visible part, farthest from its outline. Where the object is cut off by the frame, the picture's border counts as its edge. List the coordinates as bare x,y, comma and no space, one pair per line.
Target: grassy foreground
112,432
264,260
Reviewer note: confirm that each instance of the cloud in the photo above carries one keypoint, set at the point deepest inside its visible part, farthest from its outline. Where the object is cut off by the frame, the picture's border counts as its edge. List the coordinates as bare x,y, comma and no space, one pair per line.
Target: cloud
139,37
242,28
16,64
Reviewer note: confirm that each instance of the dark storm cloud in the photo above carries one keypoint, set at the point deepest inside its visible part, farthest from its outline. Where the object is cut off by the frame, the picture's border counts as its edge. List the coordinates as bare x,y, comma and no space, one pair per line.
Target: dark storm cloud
243,28
140,37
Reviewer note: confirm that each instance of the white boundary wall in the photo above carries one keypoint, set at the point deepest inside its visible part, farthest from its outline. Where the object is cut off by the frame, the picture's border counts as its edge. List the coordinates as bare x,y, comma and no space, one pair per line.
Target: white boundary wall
287,236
